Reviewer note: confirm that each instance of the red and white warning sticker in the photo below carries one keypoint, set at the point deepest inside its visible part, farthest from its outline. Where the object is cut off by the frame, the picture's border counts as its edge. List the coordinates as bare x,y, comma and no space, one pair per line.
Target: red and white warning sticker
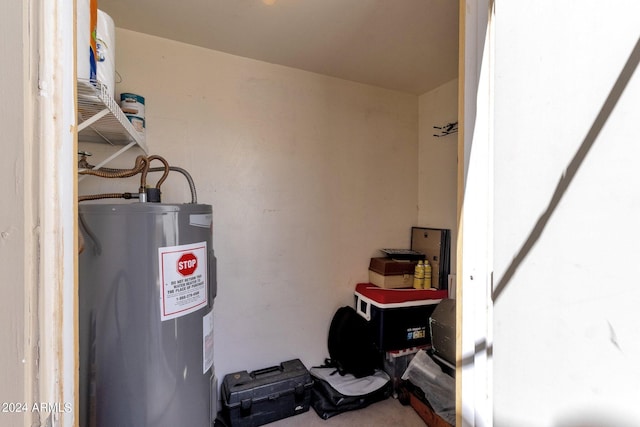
183,279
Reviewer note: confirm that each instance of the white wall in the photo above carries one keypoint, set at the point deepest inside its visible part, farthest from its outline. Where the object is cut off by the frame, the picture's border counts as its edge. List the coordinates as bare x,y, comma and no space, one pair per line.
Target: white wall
437,171
566,270
308,176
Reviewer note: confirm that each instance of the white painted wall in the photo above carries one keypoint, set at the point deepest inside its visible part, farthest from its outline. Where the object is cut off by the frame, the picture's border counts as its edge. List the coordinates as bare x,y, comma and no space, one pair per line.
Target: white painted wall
566,269
308,176
437,171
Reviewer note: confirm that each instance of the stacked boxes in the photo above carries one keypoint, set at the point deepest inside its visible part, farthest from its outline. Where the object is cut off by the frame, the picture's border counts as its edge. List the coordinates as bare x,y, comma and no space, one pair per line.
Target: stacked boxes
390,273
401,321
400,317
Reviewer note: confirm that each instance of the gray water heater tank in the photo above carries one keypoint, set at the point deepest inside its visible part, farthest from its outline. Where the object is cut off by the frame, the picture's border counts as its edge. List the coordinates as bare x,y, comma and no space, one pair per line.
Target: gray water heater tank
147,283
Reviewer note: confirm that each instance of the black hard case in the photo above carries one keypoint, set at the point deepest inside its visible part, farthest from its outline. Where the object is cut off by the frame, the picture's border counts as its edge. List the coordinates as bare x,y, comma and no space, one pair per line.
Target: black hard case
266,395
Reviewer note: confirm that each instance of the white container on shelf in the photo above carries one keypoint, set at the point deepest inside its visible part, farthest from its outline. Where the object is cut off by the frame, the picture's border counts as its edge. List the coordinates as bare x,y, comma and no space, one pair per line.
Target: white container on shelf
106,52
86,16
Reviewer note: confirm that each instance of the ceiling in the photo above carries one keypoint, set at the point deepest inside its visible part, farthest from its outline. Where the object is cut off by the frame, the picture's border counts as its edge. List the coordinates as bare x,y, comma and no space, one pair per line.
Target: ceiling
404,45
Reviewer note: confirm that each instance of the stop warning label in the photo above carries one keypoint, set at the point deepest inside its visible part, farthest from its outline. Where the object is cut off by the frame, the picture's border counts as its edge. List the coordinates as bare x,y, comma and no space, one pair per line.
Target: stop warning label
187,264
183,279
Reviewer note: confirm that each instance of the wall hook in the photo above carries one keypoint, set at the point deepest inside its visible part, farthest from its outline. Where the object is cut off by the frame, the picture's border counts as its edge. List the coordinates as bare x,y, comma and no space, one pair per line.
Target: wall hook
447,129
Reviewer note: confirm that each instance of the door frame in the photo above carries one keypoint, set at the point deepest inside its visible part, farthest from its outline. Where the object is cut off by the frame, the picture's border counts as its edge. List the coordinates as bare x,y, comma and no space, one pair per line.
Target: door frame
55,275
474,311
51,274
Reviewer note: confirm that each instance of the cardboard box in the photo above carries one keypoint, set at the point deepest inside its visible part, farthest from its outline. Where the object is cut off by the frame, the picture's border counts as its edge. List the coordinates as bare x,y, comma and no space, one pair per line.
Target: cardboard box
389,273
389,266
396,281
442,326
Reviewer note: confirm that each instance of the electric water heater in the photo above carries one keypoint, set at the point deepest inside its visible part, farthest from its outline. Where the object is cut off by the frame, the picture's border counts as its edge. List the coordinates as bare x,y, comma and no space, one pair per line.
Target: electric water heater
147,282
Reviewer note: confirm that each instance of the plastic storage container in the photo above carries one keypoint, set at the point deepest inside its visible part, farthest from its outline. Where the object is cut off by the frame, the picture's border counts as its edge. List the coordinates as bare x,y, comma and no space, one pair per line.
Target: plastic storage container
397,361
400,317
266,395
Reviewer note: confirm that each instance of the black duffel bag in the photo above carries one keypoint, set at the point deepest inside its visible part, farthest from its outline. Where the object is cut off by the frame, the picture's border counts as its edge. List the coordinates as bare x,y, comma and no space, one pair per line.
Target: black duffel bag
333,394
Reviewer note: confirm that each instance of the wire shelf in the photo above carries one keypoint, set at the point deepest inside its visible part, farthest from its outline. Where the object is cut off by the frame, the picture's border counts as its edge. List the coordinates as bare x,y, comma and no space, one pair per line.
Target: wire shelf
101,119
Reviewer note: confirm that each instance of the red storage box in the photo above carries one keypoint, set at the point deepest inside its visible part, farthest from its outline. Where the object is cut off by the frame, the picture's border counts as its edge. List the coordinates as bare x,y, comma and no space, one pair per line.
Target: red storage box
400,317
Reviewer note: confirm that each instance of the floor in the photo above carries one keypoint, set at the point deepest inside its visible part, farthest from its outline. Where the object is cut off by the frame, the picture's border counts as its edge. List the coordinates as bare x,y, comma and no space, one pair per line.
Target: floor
389,412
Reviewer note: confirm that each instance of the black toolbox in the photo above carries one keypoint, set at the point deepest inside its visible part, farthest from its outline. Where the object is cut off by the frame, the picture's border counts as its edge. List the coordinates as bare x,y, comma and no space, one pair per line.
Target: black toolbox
266,395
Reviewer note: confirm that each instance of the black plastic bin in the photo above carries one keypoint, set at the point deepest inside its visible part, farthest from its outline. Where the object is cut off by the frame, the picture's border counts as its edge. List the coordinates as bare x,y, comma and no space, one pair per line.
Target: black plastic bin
266,395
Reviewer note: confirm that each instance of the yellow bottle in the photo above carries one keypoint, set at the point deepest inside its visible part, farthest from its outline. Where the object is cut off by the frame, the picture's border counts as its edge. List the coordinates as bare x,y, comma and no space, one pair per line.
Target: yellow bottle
427,274
418,276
